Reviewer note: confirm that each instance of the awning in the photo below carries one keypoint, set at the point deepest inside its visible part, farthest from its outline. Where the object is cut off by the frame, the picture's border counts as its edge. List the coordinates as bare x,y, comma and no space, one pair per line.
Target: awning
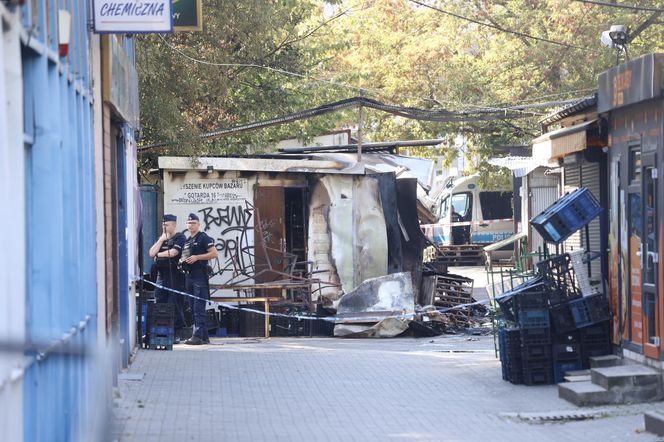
561,142
520,166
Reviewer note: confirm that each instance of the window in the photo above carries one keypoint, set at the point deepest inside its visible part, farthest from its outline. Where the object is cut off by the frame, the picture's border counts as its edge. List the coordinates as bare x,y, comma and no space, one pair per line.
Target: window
444,208
634,164
496,205
461,206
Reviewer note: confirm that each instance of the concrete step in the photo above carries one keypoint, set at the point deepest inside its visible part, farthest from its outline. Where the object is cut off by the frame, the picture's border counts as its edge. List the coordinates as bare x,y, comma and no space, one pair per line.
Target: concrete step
584,393
614,385
654,422
625,376
605,361
577,378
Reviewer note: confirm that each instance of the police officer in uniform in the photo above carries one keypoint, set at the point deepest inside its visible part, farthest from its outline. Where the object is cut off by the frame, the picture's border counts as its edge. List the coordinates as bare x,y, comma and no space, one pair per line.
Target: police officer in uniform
166,253
198,249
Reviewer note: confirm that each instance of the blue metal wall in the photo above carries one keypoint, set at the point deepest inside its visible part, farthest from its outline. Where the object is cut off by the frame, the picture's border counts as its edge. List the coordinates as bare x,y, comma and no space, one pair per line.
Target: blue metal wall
150,223
61,264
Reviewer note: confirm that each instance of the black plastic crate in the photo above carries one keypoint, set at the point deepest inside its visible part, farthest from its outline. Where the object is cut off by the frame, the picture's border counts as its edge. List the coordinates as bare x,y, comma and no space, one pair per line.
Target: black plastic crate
591,350
566,352
161,315
252,324
596,333
320,327
598,306
562,320
535,352
212,320
515,374
229,318
533,336
560,368
572,337
533,318
538,376
536,297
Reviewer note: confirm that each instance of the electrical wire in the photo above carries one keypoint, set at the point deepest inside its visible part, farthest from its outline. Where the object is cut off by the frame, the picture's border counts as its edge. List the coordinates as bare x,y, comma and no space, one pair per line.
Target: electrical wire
621,6
440,116
500,28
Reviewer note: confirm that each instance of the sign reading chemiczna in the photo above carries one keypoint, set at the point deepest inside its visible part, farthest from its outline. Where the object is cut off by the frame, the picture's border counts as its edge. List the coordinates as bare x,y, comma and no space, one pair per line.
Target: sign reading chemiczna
132,16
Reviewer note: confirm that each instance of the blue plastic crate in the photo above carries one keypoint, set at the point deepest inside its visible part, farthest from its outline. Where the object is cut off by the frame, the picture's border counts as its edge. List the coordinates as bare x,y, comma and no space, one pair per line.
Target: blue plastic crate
161,342
534,318
580,313
162,331
567,215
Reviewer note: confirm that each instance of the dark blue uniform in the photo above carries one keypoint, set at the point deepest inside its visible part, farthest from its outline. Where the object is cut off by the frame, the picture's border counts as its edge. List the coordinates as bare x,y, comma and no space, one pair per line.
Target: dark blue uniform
169,276
197,282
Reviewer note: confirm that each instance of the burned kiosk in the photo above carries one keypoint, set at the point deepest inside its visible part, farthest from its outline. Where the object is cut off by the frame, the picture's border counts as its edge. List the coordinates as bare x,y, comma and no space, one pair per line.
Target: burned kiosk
302,230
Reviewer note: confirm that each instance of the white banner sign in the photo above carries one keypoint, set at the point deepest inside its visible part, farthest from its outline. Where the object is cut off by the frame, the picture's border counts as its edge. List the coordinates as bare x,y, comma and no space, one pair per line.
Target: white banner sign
132,16
225,209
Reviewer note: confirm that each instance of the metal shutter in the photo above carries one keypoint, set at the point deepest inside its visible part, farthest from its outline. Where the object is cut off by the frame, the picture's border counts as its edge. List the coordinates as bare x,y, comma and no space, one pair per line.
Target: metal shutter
572,181
590,179
543,191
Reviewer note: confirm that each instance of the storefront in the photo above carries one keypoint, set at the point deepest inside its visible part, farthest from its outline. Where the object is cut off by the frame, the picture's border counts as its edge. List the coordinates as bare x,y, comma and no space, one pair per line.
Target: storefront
630,97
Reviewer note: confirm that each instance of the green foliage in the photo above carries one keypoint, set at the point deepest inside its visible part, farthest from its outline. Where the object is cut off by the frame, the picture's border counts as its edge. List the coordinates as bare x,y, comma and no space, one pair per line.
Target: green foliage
394,50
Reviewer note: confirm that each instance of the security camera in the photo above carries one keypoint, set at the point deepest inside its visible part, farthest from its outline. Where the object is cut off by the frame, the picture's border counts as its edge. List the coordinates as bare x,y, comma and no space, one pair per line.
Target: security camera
618,35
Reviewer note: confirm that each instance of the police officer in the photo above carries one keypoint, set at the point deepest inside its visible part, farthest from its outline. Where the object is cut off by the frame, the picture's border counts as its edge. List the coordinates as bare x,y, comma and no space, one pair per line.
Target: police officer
166,253
198,249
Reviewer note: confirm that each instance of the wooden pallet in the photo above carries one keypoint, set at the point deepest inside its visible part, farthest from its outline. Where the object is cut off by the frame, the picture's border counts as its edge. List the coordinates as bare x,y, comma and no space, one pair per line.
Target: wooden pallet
461,255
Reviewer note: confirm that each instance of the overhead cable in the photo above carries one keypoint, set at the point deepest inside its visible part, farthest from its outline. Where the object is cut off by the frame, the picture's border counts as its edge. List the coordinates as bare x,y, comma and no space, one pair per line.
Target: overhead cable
499,28
441,116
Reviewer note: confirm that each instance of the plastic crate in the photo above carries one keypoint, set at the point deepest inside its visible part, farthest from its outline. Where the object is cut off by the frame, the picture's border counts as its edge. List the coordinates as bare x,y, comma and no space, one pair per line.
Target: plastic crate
562,320
542,374
212,320
161,315
160,343
515,374
566,352
596,333
533,318
580,313
535,352
598,306
572,337
567,215
534,336
590,350
536,297
560,368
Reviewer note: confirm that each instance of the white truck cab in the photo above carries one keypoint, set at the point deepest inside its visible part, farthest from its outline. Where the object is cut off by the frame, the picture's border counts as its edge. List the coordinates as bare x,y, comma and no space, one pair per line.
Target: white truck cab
468,215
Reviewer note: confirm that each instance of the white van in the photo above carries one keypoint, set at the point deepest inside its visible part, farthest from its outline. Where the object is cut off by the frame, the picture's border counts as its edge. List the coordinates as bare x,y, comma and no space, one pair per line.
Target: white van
468,215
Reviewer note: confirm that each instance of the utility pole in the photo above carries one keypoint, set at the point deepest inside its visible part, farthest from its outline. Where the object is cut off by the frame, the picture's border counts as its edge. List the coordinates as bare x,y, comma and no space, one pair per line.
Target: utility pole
359,131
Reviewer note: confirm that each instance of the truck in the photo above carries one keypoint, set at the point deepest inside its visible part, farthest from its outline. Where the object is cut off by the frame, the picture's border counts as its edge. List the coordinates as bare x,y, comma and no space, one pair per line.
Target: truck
470,218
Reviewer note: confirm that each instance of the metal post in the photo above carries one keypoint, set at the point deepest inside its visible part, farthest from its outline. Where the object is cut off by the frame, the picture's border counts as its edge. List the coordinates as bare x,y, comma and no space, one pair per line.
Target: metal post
359,133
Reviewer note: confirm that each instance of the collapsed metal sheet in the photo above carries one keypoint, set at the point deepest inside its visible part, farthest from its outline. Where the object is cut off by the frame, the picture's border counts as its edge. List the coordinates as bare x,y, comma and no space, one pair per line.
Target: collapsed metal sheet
370,233
387,328
377,297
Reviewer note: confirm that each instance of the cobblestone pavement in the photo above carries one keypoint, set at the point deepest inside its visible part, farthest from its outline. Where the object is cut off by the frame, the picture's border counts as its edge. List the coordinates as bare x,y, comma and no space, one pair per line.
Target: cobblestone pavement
446,388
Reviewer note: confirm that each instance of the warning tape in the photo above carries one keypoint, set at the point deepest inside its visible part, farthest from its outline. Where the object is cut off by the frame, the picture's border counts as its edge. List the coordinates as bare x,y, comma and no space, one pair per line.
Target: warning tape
466,223
324,318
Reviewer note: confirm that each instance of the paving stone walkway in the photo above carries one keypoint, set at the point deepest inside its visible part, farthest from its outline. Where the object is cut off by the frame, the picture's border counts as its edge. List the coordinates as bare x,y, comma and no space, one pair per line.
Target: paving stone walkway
446,388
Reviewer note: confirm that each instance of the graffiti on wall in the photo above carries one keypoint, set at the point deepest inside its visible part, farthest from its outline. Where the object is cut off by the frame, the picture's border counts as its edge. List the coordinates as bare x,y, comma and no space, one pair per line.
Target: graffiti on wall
225,209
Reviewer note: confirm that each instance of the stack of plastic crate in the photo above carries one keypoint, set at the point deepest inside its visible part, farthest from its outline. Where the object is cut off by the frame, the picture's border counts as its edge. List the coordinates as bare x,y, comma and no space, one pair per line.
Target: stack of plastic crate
160,320
510,355
595,341
567,215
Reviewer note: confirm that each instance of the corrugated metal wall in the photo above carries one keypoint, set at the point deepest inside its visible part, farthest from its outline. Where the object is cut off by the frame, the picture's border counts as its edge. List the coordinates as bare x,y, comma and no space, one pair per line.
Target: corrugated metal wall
544,190
61,279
